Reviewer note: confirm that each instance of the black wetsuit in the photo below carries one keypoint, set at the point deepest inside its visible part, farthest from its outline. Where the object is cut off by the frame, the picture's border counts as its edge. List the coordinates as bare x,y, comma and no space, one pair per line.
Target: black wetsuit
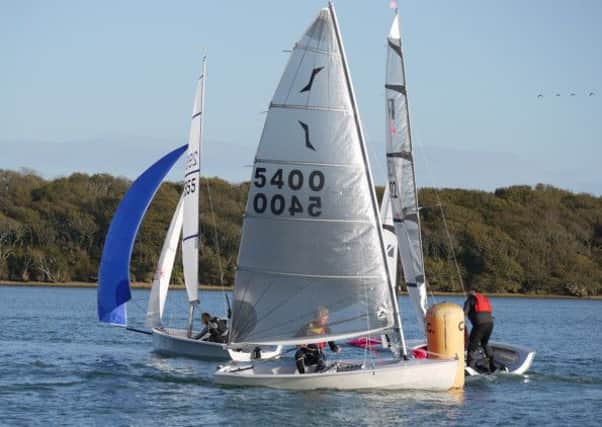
312,354
482,327
217,329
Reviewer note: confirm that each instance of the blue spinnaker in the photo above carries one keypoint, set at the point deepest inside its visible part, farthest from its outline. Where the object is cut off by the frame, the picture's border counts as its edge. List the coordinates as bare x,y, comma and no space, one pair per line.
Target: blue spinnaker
114,273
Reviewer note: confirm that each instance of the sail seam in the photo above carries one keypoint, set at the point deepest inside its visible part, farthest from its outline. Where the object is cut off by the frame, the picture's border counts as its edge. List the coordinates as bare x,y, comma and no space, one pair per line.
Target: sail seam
315,50
192,236
191,172
337,221
295,163
308,107
312,276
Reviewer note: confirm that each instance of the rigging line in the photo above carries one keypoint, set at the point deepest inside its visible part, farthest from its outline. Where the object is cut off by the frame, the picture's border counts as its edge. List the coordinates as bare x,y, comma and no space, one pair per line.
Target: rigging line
129,328
445,226
303,315
306,314
217,247
365,359
137,305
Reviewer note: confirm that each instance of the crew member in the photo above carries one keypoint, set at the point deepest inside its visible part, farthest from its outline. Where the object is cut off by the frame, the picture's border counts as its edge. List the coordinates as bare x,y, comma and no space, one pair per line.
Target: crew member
478,309
215,330
312,354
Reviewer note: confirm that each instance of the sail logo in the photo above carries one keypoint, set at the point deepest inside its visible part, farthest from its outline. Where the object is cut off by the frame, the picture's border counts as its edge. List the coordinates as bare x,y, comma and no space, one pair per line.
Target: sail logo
314,73
306,130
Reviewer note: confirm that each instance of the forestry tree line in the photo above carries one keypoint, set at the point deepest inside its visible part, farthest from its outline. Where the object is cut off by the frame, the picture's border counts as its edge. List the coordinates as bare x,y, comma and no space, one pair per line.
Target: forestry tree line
519,239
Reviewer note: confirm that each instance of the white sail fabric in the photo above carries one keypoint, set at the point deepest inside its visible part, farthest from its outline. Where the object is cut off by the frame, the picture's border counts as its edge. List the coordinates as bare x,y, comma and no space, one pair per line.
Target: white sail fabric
192,176
402,182
389,236
158,293
311,234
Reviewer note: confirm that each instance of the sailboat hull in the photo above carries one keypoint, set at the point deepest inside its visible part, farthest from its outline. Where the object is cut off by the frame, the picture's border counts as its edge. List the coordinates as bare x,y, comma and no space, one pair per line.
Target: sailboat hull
426,374
174,342
515,359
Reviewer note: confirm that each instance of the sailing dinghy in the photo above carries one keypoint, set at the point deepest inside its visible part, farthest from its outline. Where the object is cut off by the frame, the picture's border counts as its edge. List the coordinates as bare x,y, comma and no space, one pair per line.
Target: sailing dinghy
114,285
404,202
312,236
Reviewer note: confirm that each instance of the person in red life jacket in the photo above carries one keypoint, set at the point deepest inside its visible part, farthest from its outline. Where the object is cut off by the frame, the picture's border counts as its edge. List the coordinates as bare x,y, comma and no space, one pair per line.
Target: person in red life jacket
312,354
478,309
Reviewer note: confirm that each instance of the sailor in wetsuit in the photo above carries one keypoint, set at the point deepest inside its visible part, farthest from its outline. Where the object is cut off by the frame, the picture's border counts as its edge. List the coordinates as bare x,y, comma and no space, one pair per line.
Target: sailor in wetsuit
478,309
215,330
312,354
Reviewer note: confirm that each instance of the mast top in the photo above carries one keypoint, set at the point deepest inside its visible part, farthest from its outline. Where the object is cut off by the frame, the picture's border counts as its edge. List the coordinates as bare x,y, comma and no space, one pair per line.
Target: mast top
394,32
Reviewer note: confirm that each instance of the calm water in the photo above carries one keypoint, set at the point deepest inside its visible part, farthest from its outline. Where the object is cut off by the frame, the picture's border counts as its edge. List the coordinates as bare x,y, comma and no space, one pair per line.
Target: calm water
59,366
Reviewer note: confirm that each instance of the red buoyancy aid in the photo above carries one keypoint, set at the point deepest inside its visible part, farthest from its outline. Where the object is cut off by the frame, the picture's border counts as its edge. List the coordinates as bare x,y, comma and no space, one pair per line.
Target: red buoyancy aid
482,305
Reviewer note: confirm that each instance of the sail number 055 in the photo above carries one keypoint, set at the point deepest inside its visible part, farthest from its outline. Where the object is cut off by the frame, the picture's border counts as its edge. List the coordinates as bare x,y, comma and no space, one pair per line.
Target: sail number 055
189,186
295,180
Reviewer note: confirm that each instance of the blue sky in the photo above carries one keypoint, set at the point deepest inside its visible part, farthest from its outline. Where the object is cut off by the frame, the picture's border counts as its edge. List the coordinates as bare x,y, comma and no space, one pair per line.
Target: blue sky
108,86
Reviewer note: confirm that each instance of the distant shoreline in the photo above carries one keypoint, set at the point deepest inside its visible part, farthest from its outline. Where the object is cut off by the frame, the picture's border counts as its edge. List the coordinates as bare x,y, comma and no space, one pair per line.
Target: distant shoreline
134,285
144,285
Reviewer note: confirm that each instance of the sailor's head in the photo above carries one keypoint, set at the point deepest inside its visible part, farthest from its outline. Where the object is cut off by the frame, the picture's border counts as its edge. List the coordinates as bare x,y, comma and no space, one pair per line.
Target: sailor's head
322,315
205,317
472,292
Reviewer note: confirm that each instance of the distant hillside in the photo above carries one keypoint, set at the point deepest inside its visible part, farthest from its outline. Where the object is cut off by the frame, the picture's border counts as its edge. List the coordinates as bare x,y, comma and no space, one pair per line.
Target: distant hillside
540,240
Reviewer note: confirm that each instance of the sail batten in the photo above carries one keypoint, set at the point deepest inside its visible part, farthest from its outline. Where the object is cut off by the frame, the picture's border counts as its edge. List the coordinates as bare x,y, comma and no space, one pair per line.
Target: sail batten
307,107
401,175
311,170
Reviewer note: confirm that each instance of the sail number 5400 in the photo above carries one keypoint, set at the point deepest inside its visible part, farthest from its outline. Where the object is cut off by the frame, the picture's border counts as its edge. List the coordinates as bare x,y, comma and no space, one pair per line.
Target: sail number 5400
278,204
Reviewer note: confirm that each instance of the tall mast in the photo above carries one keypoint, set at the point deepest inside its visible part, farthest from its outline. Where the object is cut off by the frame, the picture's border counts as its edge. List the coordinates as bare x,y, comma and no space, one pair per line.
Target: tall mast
398,326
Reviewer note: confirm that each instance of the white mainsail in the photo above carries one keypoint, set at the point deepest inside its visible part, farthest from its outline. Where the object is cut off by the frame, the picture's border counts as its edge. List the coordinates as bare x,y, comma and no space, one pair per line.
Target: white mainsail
389,236
192,174
158,293
312,234
402,182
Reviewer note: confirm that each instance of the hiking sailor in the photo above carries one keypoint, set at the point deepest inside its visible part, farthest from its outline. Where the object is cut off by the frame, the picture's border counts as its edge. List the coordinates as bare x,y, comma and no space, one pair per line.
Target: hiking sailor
215,330
312,354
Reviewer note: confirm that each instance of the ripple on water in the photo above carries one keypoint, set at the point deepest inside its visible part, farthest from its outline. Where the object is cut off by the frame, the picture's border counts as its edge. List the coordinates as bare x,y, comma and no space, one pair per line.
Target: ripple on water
59,366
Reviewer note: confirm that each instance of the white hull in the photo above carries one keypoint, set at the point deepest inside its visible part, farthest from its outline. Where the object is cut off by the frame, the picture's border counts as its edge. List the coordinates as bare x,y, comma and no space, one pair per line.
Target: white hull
516,359
415,374
174,342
